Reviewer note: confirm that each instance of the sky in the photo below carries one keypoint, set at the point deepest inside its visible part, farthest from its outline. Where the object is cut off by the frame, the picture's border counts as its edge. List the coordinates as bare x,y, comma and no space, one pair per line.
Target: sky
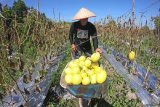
68,8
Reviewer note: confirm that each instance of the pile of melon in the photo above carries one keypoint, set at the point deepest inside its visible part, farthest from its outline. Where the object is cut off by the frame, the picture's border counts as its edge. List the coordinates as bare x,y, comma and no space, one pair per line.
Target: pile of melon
85,71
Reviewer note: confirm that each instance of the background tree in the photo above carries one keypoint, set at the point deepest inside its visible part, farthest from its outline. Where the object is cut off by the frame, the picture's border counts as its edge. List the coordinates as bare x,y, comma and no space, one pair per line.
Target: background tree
7,13
0,7
20,10
157,23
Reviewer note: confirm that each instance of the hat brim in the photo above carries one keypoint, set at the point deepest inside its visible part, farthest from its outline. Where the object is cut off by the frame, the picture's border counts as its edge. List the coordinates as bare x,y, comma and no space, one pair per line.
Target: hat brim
83,13
82,18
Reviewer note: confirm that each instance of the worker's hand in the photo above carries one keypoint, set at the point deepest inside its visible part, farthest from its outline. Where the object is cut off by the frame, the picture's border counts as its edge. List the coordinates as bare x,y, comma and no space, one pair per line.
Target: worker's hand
99,50
73,47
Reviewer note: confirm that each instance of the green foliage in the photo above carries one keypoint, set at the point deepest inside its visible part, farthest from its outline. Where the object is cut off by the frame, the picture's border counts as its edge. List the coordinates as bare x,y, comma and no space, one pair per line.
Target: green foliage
7,13
112,23
19,9
0,7
157,22
146,27
29,50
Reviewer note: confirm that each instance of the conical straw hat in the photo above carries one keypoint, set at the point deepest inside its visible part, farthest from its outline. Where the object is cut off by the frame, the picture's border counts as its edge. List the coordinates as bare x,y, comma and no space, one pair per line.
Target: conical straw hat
83,13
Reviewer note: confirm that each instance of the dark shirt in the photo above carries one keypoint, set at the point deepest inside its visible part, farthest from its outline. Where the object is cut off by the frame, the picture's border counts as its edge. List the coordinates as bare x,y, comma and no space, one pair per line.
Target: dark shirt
80,35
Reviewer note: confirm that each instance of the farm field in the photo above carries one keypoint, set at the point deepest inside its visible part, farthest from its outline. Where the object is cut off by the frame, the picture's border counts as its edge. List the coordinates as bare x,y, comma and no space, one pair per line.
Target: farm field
28,37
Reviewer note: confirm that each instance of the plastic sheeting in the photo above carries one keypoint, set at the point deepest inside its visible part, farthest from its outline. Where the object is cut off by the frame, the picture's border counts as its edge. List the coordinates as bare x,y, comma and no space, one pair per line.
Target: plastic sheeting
33,92
152,80
135,81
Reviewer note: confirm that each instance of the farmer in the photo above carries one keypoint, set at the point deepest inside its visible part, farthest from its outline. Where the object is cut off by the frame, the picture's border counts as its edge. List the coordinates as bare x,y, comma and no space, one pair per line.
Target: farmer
79,36
80,33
